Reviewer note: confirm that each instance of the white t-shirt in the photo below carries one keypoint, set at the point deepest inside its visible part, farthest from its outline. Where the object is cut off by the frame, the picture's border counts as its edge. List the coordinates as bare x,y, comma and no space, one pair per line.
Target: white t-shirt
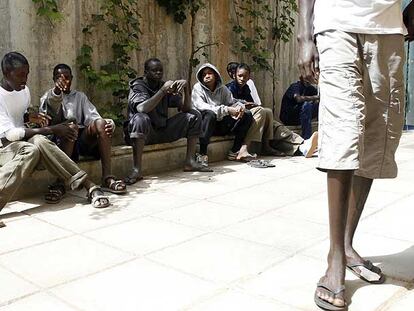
359,16
253,92
13,105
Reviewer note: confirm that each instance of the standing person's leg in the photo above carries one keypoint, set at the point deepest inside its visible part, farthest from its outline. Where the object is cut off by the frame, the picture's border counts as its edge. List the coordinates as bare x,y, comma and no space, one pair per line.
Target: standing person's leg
330,287
137,130
340,147
306,113
358,265
383,97
95,137
59,164
18,160
208,125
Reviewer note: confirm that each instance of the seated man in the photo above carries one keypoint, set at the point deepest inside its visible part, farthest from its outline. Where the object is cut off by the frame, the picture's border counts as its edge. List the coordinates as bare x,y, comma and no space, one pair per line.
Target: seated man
284,141
261,130
21,148
221,114
93,133
300,105
148,122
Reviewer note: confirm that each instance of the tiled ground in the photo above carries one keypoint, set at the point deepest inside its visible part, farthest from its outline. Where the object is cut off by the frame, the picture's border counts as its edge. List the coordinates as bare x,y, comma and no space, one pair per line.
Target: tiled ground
240,238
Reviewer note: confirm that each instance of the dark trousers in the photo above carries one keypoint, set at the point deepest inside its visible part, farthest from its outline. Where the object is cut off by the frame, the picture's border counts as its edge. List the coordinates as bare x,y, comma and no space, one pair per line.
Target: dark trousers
210,126
183,124
301,114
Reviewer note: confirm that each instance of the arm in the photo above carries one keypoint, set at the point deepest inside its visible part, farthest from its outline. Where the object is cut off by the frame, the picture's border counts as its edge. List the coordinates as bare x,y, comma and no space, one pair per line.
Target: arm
300,99
149,104
308,59
200,101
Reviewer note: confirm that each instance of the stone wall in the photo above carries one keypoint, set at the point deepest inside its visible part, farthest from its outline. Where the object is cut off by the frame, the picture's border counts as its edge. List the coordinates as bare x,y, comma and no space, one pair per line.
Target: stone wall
46,45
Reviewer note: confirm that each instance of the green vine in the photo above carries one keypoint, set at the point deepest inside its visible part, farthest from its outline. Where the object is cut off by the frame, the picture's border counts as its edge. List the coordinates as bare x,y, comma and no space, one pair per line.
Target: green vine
179,9
49,10
261,20
121,18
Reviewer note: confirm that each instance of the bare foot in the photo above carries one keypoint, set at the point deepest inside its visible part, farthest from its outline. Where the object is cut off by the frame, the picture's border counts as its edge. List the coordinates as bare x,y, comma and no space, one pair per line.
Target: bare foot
331,286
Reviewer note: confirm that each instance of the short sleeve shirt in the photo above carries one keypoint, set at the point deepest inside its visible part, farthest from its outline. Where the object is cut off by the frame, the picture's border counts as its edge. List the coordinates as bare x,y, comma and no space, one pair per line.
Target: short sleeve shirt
140,92
359,16
13,106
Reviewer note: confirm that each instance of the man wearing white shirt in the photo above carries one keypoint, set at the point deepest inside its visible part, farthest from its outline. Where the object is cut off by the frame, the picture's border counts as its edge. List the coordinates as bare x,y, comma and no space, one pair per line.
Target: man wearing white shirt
358,58
23,148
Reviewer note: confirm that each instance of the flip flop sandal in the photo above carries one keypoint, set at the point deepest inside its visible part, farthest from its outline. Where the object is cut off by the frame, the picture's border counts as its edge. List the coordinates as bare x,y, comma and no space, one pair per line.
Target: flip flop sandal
367,272
130,181
114,186
55,193
268,163
326,305
95,200
257,164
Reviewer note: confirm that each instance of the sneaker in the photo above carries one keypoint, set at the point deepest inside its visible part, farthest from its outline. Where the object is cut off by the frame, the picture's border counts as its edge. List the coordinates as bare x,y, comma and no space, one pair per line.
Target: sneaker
202,159
309,146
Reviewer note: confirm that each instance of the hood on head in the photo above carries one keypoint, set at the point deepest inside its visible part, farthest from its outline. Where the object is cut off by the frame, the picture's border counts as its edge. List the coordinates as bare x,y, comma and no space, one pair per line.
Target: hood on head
208,65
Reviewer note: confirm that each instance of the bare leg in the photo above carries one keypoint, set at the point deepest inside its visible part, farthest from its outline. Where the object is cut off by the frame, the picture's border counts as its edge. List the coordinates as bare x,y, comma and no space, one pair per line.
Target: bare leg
137,151
339,189
359,194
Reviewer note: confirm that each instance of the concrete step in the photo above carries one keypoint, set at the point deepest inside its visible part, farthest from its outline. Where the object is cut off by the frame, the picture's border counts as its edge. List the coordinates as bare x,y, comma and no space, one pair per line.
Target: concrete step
156,159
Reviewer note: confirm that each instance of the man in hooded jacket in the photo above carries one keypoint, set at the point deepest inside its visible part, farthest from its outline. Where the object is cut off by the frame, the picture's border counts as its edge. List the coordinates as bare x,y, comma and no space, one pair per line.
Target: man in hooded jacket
221,114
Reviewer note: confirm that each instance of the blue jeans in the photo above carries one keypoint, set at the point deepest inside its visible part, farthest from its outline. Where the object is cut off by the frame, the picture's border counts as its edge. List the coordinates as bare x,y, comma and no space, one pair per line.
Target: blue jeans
308,111
301,114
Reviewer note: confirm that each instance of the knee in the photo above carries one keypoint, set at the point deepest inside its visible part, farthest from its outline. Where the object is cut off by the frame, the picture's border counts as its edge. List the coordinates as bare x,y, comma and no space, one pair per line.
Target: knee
194,117
99,125
39,140
141,120
248,116
307,107
209,115
31,152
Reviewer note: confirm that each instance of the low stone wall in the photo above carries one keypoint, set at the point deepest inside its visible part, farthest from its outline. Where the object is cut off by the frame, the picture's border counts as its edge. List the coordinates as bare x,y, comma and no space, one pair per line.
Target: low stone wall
157,158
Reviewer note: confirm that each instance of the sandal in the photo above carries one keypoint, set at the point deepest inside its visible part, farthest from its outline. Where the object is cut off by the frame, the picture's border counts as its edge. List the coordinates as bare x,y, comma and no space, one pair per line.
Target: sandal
55,193
95,197
114,186
326,305
367,272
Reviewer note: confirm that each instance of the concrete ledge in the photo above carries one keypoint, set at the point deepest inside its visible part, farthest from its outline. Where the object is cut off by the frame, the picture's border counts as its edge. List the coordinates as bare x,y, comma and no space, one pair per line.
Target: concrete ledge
156,159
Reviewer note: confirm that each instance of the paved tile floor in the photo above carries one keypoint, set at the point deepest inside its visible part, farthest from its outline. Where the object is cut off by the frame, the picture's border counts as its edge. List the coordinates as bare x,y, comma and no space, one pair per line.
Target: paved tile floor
240,238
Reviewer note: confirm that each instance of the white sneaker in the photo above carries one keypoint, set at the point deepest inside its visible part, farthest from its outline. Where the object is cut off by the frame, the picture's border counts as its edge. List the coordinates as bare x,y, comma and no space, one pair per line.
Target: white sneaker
310,146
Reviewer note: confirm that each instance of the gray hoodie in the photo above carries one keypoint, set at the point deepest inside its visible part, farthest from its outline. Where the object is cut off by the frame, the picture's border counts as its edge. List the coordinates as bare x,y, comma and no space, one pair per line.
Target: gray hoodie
204,99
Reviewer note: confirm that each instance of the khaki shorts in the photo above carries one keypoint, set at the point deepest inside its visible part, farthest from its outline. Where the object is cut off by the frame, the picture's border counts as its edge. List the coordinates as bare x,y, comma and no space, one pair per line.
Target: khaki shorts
361,112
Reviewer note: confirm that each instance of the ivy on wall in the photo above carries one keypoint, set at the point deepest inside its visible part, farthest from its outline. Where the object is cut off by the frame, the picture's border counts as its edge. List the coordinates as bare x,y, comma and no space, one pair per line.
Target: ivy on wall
121,17
179,9
49,10
255,20
255,23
